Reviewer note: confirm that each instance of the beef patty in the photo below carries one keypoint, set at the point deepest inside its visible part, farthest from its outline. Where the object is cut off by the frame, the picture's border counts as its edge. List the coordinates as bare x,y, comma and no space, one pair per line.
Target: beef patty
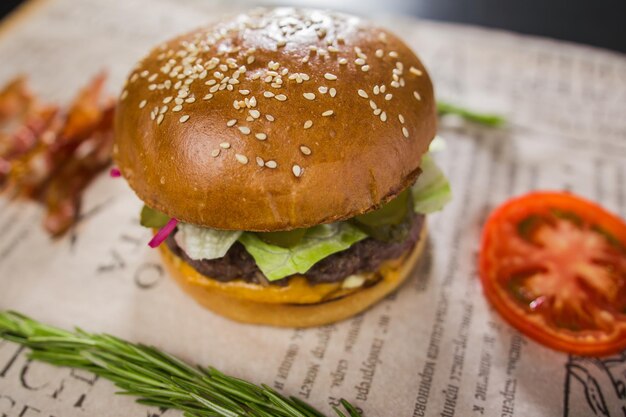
364,256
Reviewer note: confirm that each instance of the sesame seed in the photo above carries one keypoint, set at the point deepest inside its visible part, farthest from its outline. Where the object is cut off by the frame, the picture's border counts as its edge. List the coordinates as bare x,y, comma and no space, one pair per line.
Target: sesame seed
297,170
304,61
328,113
152,77
377,112
383,116
308,124
388,96
330,77
359,61
273,65
333,92
309,96
305,150
163,109
190,100
281,43
254,113
401,118
365,68
124,94
379,53
395,84
167,99
215,153
269,117
268,94
231,122
259,161
322,89
160,119
271,164
244,92
250,59
244,129
417,95
184,118
393,54
143,104
242,159
362,93
224,145
177,108
152,87
343,61
144,73
281,97
373,105
251,102
207,97
260,136
405,132
376,90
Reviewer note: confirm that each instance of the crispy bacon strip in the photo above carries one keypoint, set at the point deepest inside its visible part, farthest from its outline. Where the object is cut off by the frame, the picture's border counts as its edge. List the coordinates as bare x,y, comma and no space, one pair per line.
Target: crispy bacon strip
54,154
15,100
63,193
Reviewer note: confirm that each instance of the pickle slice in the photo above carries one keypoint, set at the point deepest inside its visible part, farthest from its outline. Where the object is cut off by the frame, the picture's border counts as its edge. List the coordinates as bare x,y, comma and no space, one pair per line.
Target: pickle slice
284,239
393,212
390,223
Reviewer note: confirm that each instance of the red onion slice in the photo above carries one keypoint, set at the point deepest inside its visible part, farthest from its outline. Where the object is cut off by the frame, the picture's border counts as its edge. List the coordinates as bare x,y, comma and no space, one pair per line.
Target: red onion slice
163,233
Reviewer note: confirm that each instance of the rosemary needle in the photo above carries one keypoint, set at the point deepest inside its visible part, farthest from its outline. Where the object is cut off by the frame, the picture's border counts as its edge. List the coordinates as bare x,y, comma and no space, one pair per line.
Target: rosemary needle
492,120
155,377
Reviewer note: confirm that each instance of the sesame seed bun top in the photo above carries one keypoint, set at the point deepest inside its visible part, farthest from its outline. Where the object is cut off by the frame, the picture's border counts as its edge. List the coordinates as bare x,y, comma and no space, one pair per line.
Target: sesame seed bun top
277,119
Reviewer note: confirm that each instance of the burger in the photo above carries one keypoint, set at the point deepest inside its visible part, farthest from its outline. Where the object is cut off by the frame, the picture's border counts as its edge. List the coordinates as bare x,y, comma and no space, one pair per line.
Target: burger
282,159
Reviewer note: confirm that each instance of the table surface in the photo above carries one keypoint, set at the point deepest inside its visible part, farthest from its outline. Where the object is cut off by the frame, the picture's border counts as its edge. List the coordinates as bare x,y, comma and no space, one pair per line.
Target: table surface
600,23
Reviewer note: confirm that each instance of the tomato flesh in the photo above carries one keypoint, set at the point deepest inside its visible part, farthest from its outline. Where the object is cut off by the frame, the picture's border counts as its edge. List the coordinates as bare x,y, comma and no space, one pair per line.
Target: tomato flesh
554,265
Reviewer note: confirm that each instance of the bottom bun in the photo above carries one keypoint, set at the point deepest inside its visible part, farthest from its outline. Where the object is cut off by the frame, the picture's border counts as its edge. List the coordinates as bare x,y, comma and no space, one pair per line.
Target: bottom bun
219,297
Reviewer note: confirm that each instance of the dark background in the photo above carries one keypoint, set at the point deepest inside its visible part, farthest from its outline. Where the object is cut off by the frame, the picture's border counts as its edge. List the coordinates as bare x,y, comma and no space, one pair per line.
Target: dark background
593,22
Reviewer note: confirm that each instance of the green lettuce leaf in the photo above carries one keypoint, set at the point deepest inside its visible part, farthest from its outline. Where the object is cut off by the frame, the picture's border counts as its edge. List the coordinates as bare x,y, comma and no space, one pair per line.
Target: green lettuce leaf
319,242
431,191
202,243
153,218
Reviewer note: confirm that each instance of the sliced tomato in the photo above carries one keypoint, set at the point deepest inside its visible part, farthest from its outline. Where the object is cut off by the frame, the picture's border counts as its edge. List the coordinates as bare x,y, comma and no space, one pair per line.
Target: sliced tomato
554,266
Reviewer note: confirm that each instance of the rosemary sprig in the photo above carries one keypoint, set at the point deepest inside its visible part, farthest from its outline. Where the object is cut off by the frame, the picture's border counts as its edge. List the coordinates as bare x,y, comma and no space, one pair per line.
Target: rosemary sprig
156,378
492,120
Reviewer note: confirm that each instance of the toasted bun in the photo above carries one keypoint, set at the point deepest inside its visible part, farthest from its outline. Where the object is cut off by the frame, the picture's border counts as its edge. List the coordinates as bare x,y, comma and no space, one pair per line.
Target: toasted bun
367,97
297,304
